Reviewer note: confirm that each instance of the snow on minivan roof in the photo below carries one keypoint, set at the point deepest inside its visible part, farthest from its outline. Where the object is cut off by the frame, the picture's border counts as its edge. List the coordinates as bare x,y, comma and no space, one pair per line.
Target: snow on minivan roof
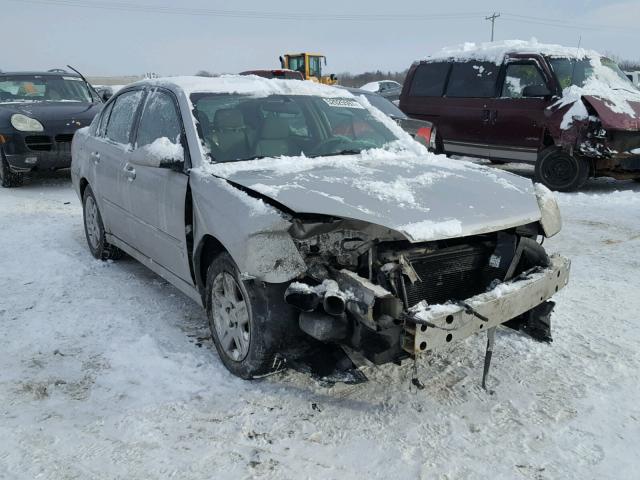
248,85
496,51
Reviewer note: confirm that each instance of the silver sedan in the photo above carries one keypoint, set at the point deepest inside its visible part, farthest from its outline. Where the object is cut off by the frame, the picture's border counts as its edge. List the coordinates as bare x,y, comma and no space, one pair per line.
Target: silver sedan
299,215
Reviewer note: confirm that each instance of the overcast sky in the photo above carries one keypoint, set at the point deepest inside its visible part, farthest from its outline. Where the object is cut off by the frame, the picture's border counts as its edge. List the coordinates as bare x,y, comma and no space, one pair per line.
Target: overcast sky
43,34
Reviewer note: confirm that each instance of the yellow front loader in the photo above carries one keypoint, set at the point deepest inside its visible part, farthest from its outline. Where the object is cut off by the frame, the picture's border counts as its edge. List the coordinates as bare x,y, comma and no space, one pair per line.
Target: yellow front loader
309,65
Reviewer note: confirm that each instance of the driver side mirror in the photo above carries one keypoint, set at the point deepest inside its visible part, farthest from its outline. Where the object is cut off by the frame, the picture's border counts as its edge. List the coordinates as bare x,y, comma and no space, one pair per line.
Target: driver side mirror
161,153
536,91
106,95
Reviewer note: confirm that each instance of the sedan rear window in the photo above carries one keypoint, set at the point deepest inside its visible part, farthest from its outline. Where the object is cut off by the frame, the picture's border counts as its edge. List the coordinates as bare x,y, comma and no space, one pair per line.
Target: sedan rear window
472,80
239,127
429,80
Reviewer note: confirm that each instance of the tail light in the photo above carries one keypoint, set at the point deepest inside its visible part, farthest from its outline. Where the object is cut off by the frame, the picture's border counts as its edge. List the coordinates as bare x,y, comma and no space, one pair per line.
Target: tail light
428,136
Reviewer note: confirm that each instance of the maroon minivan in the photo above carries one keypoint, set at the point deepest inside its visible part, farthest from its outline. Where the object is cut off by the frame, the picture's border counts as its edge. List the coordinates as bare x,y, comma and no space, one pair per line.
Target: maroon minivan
572,113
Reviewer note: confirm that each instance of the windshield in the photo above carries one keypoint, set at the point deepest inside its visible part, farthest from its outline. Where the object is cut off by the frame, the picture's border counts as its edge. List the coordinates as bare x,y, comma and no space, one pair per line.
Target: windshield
238,127
43,88
384,105
579,71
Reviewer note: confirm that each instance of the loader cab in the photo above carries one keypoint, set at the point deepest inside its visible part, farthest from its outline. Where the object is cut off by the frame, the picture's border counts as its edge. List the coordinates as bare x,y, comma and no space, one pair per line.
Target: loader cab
309,65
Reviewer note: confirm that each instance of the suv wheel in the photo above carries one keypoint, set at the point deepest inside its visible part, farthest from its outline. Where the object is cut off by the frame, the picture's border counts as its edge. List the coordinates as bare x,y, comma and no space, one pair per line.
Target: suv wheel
557,170
94,229
249,320
8,178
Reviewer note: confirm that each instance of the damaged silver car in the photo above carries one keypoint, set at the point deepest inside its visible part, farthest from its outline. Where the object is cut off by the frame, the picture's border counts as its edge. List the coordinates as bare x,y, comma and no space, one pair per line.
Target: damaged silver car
302,217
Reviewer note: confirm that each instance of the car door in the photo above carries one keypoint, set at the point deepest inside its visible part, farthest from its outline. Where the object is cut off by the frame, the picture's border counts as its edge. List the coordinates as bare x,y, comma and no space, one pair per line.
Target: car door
470,89
155,196
109,154
516,128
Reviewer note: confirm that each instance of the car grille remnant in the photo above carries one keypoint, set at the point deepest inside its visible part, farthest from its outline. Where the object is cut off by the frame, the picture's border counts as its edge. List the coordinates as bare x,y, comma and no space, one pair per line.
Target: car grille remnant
38,143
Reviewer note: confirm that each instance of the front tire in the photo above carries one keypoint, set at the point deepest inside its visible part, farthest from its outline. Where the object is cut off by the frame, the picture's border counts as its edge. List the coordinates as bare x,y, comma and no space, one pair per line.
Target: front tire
9,179
249,321
557,170
94,229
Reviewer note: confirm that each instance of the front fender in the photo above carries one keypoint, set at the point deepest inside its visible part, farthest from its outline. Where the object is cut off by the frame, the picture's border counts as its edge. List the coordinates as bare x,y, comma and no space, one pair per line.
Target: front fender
255,234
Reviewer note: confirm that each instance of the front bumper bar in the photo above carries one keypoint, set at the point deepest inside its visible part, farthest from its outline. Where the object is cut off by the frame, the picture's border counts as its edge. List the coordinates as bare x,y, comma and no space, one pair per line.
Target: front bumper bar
434,326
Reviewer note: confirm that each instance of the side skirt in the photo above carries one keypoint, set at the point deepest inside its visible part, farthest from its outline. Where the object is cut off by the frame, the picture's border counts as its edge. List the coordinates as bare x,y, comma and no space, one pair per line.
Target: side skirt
177,282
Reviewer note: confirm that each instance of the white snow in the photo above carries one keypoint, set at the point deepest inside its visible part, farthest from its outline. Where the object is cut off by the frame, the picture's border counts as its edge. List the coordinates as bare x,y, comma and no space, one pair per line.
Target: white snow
495,51
430,229
164,149
108,372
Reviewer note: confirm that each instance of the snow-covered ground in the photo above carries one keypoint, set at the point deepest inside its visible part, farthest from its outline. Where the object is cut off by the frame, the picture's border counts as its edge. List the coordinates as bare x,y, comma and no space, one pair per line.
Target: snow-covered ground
107,372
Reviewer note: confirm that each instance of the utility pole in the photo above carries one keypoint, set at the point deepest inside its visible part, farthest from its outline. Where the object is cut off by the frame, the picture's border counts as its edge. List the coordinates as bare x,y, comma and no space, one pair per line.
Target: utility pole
493,22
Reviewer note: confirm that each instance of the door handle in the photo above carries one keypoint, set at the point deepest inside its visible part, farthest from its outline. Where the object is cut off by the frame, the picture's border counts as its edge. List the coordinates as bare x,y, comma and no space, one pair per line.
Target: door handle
96,157
486,116
129,172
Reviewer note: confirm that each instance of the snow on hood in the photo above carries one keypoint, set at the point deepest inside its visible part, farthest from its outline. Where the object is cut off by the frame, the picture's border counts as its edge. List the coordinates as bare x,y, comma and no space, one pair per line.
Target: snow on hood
425,197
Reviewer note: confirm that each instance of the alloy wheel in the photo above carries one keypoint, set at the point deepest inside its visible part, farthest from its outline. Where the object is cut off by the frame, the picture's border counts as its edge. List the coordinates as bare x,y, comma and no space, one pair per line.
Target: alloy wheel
230,316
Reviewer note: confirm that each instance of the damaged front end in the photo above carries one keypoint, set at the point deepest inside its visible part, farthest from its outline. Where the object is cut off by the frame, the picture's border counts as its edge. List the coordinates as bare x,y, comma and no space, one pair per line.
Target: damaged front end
370,289
608,141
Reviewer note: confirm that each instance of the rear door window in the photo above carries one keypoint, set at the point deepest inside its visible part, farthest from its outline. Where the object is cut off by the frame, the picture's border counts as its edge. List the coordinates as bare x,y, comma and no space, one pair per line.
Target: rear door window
122,116
472,80
429,79
518,76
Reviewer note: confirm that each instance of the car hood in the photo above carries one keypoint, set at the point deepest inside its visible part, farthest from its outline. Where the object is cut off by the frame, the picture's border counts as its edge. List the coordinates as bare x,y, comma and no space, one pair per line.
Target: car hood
424,198
54,111
612,119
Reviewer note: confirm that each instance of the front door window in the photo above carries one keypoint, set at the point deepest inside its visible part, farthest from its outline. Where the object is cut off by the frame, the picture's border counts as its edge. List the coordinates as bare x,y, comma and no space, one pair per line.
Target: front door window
518,77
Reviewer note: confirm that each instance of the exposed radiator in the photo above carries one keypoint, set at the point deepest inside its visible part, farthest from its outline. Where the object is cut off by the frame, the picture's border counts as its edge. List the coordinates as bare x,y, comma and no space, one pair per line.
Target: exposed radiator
453,273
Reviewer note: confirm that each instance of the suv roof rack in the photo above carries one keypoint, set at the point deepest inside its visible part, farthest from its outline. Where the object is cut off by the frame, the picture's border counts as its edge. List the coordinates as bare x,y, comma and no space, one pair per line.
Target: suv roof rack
57,70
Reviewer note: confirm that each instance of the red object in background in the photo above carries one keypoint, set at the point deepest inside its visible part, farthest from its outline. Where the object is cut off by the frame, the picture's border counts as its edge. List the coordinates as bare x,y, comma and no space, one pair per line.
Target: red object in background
425,133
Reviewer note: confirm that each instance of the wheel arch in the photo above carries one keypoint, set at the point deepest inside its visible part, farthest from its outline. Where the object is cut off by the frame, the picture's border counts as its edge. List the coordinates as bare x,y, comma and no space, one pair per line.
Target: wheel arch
208,248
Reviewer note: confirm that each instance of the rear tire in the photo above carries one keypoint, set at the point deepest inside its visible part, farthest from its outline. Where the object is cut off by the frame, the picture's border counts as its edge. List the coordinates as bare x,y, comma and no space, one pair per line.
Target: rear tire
557,170
94,229
9,179
249,321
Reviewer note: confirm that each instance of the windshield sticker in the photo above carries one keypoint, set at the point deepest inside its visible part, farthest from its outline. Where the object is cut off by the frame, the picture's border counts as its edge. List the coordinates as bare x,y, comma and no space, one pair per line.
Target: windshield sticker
343,103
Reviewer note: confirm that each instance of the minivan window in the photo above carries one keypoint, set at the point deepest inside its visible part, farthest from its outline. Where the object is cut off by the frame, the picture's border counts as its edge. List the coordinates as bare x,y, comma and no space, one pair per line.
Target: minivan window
429,80
122,116
518,76
159,120
472,79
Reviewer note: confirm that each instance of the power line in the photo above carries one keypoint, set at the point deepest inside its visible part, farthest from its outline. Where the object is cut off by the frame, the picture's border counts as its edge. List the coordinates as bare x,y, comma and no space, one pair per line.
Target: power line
248,14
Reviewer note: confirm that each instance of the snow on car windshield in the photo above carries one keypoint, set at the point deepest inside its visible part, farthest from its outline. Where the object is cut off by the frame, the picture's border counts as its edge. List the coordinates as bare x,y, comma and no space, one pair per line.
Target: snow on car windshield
43,88
236,127
579,71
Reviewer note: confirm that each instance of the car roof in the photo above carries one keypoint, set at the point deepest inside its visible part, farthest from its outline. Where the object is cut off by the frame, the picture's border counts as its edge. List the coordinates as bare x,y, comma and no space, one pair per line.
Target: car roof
52,73
242,84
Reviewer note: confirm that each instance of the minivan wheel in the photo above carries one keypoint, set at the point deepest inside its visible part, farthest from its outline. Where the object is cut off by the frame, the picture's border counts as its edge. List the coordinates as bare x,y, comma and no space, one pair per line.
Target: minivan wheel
558,170
94,229
249,320
9,179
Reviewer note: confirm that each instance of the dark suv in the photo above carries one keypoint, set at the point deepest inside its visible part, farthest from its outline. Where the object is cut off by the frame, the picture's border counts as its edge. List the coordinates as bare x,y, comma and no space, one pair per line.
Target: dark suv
39,114
571,112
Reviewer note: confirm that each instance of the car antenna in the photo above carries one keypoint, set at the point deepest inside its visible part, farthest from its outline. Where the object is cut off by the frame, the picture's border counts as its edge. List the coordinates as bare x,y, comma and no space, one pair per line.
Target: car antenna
575,60
89,86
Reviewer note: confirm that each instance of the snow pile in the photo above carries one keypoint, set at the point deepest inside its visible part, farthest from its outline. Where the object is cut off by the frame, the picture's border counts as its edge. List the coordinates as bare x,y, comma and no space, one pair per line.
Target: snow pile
496,51
248,85
430,229
163,149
